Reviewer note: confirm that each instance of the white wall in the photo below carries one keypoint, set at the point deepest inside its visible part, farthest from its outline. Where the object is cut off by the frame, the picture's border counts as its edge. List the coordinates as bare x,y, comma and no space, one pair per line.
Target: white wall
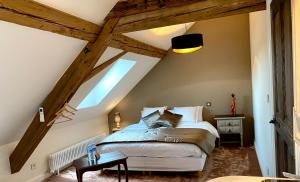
56,139
262,89
31,62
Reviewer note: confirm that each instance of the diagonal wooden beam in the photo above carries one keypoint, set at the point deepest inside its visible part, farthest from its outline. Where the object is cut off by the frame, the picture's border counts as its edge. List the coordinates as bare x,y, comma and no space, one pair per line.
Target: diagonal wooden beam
131,45
33,14
104,65
201,10
61,93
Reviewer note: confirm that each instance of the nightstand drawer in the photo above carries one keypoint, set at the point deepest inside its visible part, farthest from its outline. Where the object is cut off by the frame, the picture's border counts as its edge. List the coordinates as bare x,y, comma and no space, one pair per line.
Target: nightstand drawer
229,122
229,129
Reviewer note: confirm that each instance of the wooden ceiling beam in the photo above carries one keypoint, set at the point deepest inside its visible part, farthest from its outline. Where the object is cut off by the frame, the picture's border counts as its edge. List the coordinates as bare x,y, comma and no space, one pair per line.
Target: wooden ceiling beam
131,45
104,65
63,91
131,7
201,10
133,16
35,15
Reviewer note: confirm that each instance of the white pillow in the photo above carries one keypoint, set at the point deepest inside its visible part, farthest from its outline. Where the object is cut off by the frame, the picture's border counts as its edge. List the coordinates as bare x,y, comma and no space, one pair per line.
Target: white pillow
200,113
148,110
189,114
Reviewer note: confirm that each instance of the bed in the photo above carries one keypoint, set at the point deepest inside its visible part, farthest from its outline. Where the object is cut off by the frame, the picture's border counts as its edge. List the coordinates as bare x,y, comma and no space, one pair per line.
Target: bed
161,155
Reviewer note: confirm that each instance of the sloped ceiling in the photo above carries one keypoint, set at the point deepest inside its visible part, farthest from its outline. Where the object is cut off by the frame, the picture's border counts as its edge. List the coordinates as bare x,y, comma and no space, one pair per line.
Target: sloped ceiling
160,37
32,61
92,10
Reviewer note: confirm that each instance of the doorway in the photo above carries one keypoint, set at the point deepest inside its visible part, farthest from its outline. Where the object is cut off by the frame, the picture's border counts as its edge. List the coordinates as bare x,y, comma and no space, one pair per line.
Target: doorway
283,85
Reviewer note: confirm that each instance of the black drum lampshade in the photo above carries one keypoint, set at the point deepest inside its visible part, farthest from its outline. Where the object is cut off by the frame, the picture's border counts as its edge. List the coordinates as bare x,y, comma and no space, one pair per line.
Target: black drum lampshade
187,43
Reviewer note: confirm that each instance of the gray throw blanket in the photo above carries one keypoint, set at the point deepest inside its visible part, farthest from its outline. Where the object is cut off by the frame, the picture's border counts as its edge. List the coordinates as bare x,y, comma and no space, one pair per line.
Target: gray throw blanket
200,137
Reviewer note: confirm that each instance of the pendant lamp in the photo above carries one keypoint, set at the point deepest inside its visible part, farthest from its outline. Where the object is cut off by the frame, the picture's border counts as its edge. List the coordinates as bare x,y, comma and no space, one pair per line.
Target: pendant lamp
187,43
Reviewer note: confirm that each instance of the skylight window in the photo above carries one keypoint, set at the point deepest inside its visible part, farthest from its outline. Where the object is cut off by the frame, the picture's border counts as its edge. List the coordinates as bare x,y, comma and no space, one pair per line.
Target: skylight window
107,83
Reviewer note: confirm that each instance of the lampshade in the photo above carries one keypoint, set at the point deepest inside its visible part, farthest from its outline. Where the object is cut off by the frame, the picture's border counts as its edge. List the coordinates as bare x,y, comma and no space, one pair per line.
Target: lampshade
187,43
117,119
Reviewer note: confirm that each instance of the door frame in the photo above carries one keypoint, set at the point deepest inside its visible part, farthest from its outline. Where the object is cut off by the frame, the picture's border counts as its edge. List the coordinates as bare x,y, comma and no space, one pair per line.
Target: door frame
271,52
295,7
271,128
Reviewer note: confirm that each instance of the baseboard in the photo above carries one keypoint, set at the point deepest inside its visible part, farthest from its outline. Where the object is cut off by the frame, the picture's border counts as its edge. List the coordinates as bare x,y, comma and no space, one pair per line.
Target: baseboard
39,178
259,160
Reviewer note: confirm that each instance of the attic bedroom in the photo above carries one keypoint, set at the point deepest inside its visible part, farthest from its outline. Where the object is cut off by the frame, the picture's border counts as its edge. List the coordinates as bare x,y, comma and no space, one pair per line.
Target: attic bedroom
149,90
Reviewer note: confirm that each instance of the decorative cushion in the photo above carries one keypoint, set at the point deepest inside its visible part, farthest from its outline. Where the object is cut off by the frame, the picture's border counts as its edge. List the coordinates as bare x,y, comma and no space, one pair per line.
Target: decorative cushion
151,119
159,124
169,119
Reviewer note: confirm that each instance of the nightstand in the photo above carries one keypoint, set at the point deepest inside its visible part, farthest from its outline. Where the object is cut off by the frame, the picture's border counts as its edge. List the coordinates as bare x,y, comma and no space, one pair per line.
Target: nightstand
229,125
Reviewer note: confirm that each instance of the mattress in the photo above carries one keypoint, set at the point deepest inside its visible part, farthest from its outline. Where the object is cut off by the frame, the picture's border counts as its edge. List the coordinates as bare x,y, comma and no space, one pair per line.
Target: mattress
165,164
159,149
159,156
153,149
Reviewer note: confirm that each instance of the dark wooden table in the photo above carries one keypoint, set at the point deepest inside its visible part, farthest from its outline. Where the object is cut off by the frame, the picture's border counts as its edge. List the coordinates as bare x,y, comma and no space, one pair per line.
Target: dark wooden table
106,160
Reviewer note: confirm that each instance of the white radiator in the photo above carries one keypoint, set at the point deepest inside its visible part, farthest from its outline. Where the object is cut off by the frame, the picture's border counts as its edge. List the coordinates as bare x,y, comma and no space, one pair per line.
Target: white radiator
66,156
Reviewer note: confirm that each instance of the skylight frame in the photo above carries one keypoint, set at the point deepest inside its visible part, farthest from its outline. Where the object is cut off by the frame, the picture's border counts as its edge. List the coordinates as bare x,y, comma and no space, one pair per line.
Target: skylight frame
107,83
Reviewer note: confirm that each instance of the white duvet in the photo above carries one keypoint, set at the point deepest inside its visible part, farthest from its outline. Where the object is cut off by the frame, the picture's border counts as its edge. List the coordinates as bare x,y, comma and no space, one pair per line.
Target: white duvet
157,149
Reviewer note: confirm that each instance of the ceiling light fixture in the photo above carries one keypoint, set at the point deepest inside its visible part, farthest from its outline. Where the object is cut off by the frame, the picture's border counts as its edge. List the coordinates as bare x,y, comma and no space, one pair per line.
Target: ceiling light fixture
187,43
